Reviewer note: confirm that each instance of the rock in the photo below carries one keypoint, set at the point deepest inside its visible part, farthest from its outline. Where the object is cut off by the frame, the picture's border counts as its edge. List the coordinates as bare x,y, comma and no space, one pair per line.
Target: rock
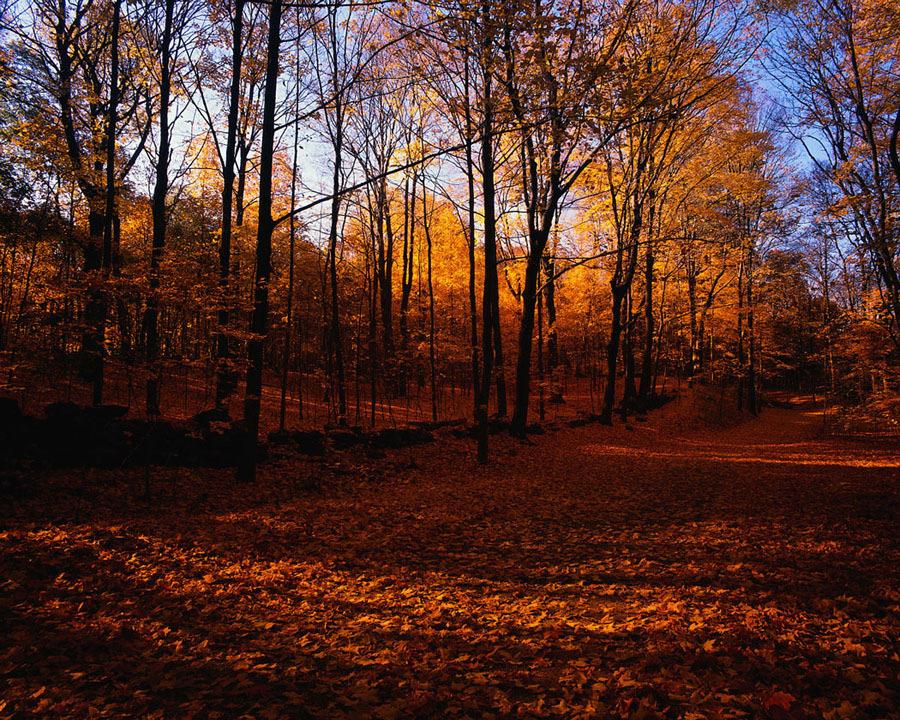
495,426
163,443
214,415
16,432
62,411
103,414
344,439
10,413
439,424
67,437
395,438
584,420
309,442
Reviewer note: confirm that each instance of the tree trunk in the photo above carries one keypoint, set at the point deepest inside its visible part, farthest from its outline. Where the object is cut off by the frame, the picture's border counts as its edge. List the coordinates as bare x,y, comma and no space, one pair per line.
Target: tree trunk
224,373
386,261
550,304
408,264
160,189
740,333
112,112
470,185
490,255
336,339
431,344
93,340
499,367
292,231
645,390
628,352
752,399
260,318
243,162
612,354
526,334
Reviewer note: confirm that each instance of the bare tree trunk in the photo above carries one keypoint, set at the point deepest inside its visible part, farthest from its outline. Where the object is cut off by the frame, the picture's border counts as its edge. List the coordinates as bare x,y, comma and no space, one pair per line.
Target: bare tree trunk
645,389
373,333
335,335
895,136
100,302
526,334
540,357
93,340
408,264
112,112
470,184
490,248
160,189
246,470
752,397
386,262
740,333
550,303
612,354
286,350
224,373
431,343
628,352
499,367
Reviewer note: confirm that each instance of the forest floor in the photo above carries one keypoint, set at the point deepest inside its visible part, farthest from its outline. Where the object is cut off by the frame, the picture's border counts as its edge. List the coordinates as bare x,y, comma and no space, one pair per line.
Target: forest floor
664,569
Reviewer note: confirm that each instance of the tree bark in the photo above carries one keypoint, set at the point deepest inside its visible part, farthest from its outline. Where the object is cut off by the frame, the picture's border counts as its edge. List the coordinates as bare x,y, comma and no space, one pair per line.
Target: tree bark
224,373
645,390
160,189
431,341
526,336
334,320
490,243
612,354
470,239
246,470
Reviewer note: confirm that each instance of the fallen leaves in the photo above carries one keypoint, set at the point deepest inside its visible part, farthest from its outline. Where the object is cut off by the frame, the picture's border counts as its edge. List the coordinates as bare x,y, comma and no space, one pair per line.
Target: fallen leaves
778,700
549,586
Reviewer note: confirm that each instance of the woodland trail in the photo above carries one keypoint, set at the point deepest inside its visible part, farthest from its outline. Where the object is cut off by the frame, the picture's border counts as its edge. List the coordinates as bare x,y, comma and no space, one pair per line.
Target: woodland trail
659,570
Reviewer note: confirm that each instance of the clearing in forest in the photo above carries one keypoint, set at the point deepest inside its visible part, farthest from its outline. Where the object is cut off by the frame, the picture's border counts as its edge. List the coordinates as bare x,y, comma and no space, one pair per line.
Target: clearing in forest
633,571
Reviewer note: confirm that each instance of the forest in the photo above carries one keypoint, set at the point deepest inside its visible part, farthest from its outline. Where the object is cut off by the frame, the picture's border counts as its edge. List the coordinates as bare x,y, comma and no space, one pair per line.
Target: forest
449,358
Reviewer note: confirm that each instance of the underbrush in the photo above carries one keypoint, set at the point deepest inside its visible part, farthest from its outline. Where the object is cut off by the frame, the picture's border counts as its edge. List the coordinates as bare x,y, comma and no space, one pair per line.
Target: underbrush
877,416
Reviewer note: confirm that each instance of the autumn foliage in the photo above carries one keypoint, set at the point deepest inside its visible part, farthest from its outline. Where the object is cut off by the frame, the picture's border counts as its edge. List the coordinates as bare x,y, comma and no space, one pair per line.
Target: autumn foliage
471,359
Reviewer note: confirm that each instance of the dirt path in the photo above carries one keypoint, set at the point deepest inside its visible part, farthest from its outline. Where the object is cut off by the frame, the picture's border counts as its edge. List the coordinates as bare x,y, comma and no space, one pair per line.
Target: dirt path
597,572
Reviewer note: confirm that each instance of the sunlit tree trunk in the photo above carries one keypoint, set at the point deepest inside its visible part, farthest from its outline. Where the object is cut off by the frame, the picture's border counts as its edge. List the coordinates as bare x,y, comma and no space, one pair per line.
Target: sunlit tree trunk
752,397
645,389
741,359
432,361
630,392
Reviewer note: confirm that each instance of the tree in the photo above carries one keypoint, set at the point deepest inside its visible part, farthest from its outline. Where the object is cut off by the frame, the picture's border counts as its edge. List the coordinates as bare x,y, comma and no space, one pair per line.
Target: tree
838,69
62,58
555,58
260,319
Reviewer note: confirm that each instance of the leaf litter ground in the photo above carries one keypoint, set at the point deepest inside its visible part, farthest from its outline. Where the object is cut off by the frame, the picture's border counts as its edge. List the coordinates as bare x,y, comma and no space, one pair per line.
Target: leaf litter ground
650,571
